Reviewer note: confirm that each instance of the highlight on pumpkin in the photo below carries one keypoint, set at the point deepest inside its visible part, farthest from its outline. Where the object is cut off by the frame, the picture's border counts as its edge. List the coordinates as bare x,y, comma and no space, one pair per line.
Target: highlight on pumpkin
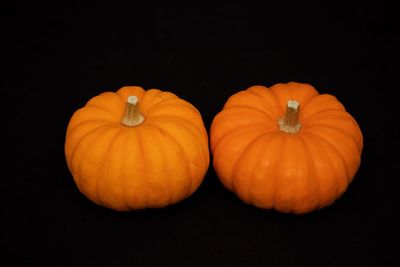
132,116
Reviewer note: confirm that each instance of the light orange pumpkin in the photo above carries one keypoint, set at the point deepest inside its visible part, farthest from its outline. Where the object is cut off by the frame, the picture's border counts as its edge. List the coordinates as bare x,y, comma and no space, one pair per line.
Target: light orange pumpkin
286,147
127,157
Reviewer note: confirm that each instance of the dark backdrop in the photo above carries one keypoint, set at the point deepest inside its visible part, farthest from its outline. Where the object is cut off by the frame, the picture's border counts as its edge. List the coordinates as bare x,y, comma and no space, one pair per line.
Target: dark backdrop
57,58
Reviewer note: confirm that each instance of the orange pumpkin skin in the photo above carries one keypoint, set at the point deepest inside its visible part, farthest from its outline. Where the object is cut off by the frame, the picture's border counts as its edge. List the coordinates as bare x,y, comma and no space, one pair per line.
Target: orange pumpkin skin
290,172
157,163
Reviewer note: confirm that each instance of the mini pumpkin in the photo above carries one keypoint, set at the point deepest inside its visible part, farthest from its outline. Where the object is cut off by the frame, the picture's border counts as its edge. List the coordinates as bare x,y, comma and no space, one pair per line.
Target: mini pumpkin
124,156
286,147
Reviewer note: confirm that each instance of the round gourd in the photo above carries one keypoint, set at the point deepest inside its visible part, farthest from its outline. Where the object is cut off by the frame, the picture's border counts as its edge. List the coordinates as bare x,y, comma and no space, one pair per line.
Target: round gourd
286,147
137,149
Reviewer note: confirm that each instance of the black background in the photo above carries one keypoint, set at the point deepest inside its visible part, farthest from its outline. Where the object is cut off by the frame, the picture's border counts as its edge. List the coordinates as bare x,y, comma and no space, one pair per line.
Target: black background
57,58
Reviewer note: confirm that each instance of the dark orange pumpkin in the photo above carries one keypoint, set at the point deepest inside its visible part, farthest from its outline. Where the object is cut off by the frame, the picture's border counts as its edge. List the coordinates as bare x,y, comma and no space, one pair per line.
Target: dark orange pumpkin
286,147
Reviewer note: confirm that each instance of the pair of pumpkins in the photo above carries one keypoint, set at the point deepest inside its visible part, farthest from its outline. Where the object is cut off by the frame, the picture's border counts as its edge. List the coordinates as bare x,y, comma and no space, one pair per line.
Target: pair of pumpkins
137,149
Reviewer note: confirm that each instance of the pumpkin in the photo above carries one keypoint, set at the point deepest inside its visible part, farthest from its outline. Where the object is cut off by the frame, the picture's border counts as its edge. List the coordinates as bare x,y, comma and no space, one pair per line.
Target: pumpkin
127,156
286,147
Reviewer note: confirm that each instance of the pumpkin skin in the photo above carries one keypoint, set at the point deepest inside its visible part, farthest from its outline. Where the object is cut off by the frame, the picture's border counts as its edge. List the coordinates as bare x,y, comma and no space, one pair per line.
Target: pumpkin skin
273,169
159,162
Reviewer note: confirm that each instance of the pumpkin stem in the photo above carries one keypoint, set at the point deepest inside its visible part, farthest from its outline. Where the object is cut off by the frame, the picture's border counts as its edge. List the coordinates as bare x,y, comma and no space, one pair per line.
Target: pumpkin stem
290,122
132,116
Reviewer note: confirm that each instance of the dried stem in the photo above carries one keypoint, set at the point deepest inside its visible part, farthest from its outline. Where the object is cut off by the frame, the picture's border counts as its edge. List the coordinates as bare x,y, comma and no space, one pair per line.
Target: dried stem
290,122
132,116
